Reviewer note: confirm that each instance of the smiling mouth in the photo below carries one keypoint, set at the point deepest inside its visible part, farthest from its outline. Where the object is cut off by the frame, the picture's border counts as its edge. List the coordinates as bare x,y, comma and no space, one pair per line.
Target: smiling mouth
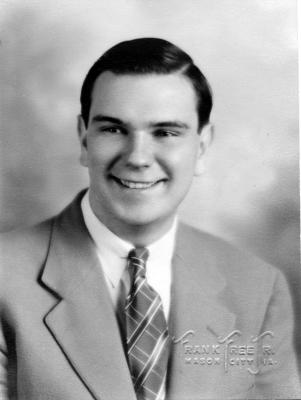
136,184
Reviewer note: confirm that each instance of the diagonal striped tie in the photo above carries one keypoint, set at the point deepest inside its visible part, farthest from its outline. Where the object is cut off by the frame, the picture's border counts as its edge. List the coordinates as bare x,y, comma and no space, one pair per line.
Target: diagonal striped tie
147,334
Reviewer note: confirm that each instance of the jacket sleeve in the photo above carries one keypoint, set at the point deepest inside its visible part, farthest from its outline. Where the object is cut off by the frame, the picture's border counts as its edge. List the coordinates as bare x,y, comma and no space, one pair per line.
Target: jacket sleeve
3,347
281,379
3,368
7,363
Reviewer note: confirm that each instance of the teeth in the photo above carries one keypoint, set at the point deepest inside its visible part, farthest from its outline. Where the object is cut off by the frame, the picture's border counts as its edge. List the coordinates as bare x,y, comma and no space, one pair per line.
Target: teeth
137,185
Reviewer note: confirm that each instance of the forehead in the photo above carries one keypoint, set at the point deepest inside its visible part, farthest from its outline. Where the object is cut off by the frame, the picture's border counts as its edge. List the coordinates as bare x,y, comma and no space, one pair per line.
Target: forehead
154,96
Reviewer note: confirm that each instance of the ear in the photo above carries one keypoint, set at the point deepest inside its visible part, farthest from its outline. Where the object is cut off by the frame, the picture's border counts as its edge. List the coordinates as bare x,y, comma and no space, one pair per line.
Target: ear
206,137
82,135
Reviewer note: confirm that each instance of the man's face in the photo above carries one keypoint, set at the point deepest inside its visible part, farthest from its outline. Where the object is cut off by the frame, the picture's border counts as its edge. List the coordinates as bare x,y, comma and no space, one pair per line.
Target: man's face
142,148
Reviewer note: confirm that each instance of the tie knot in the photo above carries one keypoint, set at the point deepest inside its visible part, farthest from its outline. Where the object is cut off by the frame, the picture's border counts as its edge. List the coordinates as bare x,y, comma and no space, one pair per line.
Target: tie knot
139,253
137,259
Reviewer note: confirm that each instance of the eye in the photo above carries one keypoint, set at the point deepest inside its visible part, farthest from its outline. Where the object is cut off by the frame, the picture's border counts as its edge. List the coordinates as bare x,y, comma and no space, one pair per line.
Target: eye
111,129
165,133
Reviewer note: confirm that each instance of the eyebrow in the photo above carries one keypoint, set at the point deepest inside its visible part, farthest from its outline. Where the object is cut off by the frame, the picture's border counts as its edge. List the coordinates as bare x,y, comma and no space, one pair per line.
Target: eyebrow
163,124
105,118
170,124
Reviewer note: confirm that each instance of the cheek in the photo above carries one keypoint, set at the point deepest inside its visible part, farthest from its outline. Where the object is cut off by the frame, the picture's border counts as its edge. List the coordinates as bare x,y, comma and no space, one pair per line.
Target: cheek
96,165
184,158
98,154
103,151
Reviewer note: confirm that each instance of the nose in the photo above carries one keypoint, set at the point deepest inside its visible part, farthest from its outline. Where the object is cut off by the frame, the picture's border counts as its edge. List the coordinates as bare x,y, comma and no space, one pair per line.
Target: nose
139,152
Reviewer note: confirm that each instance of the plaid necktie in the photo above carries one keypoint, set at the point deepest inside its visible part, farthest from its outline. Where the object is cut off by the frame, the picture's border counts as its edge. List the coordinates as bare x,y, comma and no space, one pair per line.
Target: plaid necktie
147,333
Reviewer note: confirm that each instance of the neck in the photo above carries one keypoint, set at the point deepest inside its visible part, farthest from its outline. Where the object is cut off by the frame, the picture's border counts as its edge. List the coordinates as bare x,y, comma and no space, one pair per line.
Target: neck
141,235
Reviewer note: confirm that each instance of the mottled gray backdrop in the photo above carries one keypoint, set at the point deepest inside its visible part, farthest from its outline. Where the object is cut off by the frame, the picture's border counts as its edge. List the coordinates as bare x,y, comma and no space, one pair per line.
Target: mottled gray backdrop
248,193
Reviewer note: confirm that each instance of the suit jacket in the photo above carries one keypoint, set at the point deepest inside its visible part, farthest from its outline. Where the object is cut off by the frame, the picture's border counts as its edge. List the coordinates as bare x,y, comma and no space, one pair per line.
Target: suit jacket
60,339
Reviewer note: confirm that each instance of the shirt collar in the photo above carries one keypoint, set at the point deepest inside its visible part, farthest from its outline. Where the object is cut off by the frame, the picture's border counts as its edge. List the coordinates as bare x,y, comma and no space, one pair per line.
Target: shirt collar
111,246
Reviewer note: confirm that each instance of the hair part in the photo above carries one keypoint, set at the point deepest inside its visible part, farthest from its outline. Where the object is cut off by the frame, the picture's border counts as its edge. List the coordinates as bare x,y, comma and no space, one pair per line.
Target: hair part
148,56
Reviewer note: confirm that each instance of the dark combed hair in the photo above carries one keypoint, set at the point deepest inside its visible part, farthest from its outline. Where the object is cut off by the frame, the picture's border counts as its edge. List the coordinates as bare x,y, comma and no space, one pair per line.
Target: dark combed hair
146,56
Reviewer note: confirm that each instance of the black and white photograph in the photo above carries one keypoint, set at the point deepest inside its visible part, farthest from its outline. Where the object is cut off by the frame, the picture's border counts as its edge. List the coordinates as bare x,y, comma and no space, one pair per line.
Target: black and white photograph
149,200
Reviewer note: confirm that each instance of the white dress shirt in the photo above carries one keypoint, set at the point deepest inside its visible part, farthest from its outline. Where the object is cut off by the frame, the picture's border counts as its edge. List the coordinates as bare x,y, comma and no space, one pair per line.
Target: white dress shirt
113,251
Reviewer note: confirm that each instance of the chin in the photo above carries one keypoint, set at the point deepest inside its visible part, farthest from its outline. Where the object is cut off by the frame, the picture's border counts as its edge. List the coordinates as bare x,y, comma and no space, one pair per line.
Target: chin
145,220
138,221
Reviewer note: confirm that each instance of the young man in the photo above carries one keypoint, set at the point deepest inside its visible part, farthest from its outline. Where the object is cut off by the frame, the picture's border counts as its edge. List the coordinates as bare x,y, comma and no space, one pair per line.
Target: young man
116,299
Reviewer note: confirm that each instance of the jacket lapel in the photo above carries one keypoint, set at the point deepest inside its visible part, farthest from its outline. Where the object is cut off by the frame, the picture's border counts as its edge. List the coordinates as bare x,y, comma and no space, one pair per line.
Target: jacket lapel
198,315
83,321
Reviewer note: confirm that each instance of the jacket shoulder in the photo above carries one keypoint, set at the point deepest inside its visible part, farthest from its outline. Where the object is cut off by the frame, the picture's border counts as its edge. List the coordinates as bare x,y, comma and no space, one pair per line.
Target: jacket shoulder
24,249
234,263
251,285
